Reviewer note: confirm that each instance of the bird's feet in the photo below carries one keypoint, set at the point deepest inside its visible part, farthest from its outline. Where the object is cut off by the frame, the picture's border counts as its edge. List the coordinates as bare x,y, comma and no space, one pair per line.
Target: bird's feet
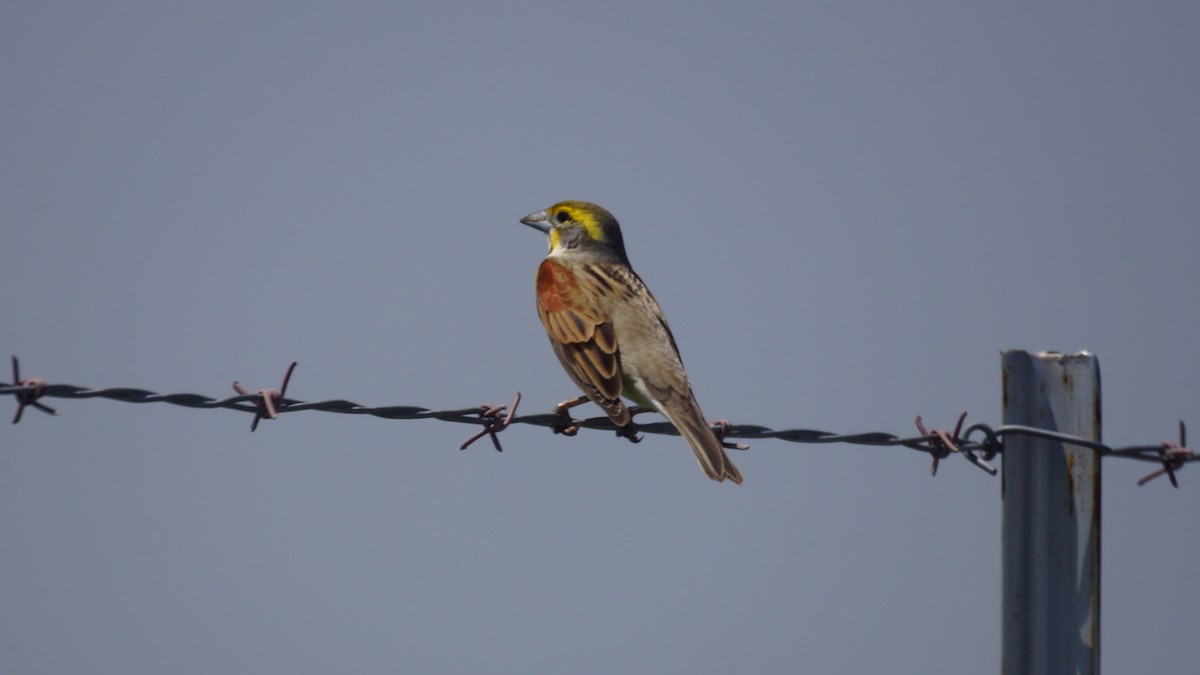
720,428
567,426
630,431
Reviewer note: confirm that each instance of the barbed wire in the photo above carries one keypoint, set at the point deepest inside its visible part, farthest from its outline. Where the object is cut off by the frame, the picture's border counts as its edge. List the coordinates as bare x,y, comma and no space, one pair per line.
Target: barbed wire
938,443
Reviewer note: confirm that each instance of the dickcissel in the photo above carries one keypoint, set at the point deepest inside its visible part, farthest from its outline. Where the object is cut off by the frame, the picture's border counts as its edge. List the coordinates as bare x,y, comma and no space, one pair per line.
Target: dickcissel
609,332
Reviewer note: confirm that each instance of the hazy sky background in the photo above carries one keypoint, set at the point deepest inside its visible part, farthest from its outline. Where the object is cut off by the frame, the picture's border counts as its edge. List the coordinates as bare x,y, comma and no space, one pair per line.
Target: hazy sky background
846,210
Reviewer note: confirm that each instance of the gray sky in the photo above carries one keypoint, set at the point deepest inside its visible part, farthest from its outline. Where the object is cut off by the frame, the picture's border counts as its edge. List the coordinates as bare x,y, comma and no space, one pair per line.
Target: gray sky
846,210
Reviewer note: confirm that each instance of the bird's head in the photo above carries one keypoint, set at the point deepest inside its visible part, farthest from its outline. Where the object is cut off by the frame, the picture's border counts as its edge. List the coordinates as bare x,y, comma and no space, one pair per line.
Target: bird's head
579,226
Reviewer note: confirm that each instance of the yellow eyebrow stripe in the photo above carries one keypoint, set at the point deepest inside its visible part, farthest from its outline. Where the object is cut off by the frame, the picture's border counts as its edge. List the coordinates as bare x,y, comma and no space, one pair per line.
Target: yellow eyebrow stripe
584,217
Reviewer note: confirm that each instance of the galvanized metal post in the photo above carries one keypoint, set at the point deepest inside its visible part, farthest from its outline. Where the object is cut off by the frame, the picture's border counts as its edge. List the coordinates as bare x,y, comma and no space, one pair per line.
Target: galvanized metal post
1051,531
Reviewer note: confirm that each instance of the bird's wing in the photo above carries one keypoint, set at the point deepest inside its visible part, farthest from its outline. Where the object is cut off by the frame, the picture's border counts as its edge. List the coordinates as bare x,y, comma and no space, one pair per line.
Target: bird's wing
582,334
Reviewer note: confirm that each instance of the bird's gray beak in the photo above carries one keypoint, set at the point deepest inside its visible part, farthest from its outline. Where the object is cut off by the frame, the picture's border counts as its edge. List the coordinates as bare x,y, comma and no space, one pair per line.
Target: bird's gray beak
538,221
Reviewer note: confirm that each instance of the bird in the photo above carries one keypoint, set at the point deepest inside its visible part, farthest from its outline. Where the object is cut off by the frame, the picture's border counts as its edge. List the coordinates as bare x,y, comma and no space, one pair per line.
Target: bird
610,334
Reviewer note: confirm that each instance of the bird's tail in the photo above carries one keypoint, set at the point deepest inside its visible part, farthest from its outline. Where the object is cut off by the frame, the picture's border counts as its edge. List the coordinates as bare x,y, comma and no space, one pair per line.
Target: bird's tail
704,442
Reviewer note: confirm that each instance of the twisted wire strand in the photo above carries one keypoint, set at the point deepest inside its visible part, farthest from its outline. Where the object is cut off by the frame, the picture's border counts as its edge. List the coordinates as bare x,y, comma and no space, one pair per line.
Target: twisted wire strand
978,451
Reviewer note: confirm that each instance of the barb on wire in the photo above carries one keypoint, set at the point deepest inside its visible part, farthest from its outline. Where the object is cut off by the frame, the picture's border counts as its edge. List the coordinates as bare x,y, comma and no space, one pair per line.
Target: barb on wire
32,388
1173,458
938,443
943,443
495,424
268,401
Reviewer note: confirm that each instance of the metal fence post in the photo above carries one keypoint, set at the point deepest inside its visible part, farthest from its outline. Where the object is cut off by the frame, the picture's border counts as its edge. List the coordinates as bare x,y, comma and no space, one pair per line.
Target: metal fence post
1051,530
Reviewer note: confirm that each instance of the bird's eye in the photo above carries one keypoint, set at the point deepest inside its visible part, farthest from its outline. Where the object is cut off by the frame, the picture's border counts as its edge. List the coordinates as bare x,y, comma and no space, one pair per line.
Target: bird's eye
562,217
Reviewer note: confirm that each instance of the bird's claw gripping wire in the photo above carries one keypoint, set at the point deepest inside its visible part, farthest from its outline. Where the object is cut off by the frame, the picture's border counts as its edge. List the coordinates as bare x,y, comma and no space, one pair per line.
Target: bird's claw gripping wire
630,431
566,425
494,422
720,429
1173,457
269,400
34,388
